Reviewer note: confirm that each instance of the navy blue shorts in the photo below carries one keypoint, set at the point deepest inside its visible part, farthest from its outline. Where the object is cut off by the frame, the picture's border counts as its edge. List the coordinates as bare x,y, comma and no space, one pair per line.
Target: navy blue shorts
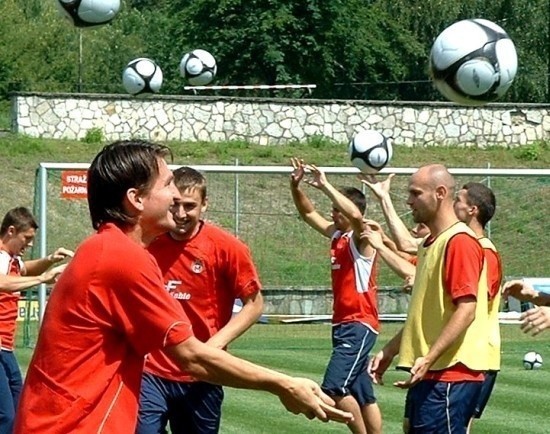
188,407
346,372
439,407
485,394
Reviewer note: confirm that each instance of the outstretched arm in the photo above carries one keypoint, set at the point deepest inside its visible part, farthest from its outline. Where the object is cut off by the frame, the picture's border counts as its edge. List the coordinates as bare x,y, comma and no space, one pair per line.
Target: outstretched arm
35,267
303,204
252,310
399,231
524,291
298,395
20,283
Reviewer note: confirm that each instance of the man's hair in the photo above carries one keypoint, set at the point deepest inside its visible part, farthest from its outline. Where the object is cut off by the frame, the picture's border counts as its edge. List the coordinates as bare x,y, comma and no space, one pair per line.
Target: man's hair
117,168
20,218
356,196
483,198
187,178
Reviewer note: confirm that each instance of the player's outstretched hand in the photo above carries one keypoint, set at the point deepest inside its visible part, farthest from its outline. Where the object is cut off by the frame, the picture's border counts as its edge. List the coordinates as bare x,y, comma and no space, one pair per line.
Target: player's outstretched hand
379,188
304,396
378,365
298,173
520,290
318,177
535,320
51,275
418,371
60,254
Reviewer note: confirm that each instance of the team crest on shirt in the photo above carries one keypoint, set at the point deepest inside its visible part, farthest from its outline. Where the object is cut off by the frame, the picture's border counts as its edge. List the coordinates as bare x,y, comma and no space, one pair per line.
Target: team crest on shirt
197,266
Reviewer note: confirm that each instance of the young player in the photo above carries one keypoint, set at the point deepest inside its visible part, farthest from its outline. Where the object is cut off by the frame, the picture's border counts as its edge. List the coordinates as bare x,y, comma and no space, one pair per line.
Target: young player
110,308
355,310
444,341
17,232
205,269
475,205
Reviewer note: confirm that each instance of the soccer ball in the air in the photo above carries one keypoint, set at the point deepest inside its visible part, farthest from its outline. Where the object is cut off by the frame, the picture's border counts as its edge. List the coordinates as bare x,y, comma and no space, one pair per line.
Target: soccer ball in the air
532,360
88,13
369,151
142,76
473,62
198,67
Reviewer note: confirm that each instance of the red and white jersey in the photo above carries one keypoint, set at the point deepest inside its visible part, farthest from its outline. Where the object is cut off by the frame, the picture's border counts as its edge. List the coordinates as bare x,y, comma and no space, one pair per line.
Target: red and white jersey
9,265
353,282
107,311
205,274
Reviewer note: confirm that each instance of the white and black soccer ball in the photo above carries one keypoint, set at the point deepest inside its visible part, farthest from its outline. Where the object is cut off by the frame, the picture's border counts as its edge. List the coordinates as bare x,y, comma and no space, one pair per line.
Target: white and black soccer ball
473,62
532,360
89,13
198,67
370,151
142,75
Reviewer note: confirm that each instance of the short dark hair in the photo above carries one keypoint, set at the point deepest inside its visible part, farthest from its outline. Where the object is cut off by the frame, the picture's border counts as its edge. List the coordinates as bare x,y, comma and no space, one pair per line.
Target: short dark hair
186,177
20,218
117,168
356,196
483,198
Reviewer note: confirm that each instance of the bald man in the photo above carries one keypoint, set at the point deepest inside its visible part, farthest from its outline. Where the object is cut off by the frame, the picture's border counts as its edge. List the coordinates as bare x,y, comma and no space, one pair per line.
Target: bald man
444,342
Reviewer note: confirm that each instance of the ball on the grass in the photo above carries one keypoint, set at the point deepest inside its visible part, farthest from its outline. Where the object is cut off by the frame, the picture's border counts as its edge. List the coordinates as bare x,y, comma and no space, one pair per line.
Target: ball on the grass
473,62
198,67
142,75
88,13
370,151
532,360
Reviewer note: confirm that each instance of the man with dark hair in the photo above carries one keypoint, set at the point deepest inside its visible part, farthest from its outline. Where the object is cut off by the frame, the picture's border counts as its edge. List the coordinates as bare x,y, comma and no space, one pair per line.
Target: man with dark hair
109,309
475,205
204,268
17,232
355,308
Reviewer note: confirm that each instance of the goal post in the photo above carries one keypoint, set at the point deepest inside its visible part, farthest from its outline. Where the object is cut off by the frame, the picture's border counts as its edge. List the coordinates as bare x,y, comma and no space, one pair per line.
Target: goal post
254,203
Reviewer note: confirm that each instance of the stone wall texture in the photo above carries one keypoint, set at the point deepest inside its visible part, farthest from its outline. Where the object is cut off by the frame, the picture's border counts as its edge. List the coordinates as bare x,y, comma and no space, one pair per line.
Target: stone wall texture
275,121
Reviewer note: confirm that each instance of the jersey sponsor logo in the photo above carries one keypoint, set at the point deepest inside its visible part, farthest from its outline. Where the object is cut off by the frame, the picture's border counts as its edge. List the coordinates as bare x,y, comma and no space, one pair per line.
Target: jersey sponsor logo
333,264
181,295
172,285
197,266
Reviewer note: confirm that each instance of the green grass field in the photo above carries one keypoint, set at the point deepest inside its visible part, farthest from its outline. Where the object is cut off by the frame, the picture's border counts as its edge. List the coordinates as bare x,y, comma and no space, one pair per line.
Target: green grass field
519,403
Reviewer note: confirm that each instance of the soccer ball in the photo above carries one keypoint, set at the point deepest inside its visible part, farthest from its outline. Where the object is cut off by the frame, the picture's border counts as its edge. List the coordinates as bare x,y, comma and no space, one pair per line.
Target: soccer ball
142,76
198,67
369,151
532,360
473,62
88,13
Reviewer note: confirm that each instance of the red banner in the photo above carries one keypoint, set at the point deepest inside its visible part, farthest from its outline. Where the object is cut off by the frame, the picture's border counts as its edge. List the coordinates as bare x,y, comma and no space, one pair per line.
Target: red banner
74,184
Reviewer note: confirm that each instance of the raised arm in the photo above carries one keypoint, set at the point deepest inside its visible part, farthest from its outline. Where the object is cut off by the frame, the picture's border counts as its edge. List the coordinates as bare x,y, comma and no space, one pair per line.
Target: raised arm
303,204
398,230
399,265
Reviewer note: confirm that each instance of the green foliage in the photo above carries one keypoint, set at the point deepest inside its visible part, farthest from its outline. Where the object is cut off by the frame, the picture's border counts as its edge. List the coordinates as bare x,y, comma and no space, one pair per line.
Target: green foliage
348,48
533,151
94,135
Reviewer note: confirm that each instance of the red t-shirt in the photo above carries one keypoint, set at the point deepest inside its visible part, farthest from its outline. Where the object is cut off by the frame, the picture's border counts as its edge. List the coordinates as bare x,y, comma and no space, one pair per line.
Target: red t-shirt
353,283
205,274
107,311
463,266
9,265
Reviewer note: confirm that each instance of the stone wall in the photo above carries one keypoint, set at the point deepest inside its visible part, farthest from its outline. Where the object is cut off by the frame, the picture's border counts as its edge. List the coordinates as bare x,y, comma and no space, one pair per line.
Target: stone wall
275,121
318,301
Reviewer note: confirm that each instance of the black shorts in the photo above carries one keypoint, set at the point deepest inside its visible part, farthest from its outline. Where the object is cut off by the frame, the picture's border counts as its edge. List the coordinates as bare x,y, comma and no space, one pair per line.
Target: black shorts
346,372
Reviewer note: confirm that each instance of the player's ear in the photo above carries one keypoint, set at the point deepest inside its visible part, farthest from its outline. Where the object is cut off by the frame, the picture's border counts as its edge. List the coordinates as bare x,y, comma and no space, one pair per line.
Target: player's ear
204,204
134,199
